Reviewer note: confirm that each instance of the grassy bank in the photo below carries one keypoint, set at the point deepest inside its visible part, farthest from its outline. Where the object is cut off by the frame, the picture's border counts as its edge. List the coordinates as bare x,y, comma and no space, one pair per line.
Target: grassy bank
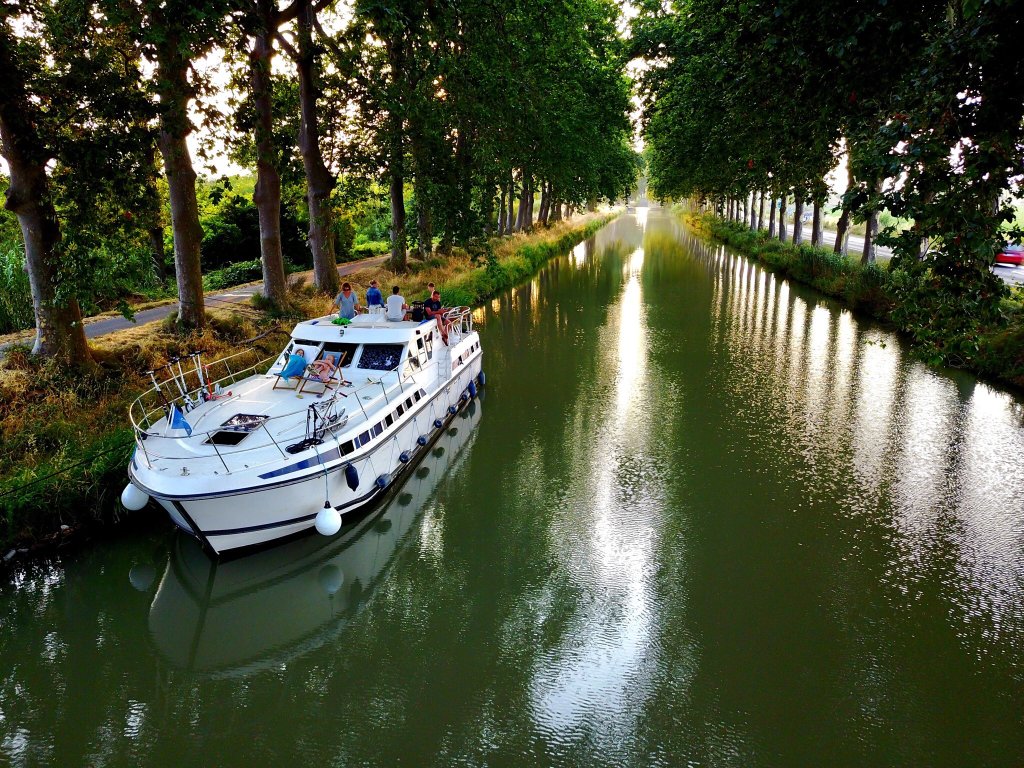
64,439
997,353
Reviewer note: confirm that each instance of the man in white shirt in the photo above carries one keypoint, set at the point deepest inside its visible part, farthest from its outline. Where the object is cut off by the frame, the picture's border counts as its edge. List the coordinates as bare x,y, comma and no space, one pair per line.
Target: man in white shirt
395,306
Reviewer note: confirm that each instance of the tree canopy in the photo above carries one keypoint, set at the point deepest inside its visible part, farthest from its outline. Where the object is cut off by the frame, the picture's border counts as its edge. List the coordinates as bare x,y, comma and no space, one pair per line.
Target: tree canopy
470,106
924,100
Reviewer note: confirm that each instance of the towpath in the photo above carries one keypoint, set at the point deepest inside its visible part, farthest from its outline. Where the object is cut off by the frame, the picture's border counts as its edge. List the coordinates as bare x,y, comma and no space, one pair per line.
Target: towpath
104,324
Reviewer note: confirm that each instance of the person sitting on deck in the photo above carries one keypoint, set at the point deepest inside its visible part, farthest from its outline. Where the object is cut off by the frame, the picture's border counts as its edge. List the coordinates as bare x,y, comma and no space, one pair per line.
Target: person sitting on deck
347,302
324,368
374,299
396,306
295,366
434,309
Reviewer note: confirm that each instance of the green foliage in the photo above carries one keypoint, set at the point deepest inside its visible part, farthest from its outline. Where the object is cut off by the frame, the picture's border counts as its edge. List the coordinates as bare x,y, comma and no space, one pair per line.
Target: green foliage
990,345
929,96
15,296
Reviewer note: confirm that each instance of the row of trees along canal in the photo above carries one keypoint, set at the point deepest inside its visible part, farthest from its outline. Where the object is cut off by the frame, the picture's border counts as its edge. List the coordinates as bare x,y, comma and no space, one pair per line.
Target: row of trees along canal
755,101
479,106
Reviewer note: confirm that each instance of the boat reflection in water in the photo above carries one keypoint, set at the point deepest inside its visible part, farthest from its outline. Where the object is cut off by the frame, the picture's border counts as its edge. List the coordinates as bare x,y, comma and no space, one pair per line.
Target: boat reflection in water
232,618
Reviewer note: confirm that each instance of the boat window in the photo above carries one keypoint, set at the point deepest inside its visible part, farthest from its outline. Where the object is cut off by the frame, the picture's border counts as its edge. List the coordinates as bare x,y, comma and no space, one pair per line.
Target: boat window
401,409
377,429
389,420
338,347
347,447
408,402
364,438
380,357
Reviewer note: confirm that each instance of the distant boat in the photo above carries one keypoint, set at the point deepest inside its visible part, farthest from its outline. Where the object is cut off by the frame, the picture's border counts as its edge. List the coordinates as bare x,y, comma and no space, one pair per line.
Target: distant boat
258,612
265,450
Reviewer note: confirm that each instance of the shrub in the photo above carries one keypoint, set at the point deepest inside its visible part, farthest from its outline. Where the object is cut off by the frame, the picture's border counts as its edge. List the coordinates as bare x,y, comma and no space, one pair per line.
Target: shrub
15,296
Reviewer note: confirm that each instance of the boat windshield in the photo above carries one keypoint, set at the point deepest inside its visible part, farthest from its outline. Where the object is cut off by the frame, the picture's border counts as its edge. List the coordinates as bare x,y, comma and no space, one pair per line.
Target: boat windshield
380,357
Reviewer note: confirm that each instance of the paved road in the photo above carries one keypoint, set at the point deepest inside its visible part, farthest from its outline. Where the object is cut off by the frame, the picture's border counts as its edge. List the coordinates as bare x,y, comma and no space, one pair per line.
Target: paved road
1011,274
214,300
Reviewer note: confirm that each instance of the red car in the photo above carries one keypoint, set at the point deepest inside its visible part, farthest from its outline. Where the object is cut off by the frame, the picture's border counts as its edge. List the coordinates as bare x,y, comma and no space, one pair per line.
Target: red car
1011,254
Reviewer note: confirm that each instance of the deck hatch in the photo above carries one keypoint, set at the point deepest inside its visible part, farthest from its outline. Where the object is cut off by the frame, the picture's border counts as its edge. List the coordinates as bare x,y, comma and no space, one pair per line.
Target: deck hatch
236,429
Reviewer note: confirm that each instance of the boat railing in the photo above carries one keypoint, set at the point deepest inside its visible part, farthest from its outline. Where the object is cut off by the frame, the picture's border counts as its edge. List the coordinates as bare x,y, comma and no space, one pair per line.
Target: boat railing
383,384
460,323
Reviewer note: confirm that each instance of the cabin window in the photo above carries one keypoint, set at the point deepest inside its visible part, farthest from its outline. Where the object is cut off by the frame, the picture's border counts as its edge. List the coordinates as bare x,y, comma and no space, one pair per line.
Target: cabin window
338,347
347,447
401,409
408,402
377,428
364,438
380,357
389,420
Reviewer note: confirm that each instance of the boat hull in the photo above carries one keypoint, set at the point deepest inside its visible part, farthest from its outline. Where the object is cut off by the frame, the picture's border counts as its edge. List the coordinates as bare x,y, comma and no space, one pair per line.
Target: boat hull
237,520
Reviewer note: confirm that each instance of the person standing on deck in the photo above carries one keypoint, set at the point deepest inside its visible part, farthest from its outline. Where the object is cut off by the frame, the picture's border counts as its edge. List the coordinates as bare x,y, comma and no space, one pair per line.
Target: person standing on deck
374,299
347,302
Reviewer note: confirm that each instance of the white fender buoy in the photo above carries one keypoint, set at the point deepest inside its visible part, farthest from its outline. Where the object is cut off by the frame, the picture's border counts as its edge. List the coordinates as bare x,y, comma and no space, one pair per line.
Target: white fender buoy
142,576
134,498
331,578
328,521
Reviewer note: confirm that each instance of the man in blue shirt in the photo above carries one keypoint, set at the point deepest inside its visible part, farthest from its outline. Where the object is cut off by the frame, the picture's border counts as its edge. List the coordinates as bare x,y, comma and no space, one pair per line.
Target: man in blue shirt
347,302
436,310
374,299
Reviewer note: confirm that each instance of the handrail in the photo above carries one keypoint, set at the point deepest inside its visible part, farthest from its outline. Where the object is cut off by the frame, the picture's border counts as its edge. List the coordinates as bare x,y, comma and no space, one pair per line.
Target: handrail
142,436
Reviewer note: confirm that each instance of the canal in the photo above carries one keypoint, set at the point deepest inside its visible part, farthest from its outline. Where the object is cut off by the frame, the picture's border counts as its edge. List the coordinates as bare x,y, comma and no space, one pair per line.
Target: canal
700,516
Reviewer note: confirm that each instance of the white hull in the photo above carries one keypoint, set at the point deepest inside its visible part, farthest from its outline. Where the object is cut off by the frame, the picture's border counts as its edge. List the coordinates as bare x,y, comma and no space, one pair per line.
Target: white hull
234,520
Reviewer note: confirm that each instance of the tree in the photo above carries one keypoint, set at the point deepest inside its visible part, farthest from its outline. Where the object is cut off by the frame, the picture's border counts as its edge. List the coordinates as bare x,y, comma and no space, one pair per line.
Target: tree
73,132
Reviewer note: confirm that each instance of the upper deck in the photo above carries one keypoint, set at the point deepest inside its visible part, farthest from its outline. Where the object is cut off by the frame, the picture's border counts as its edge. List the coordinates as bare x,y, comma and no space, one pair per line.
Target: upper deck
257,417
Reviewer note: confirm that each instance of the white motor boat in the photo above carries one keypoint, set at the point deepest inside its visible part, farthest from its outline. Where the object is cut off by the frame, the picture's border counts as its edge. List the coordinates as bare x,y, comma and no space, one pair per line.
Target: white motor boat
249,454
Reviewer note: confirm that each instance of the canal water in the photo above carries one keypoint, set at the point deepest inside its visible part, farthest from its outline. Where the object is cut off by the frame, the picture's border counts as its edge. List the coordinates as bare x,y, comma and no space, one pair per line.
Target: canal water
701,516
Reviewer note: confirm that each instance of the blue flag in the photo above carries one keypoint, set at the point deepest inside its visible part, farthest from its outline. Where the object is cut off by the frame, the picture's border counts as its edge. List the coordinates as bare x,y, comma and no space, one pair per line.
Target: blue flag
178,420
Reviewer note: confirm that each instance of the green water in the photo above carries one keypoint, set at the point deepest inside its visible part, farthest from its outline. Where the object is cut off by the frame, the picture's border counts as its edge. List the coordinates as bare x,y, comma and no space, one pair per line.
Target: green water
701,517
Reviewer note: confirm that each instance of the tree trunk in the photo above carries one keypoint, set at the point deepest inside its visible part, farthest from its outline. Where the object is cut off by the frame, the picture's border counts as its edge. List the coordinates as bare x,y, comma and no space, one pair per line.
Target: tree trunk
267,194
59,330
842,233
816,230
421,191
510,198
319,181
556,210
487,205
545,202
396,192
530,218
753,211
501,211
175,92
798,218
782,219
871,230
760,210
771,217
843,225
523,220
